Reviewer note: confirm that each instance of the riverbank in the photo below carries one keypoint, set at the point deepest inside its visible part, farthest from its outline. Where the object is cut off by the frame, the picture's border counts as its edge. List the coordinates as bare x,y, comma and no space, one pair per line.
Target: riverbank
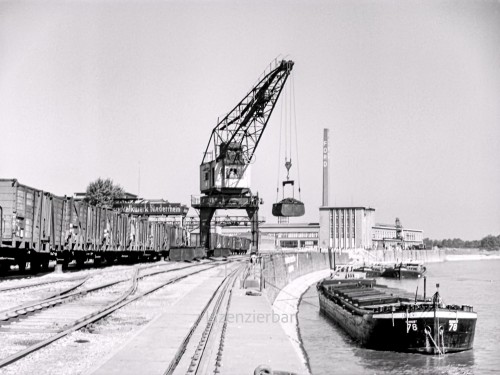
287,304
425,256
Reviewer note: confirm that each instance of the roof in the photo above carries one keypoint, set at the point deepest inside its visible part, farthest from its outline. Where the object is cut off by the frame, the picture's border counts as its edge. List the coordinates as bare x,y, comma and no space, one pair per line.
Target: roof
346,208
392,226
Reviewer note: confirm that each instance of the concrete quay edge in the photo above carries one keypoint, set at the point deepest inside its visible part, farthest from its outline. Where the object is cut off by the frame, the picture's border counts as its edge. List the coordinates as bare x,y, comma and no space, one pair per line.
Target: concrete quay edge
287,304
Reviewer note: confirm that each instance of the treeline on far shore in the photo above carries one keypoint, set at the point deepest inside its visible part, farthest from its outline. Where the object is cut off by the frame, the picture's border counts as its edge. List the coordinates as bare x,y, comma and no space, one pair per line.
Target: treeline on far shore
489,242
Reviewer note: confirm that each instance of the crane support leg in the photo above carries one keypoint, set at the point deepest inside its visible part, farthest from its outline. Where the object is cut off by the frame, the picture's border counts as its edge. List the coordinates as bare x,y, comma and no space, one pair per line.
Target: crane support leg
206,214
253,215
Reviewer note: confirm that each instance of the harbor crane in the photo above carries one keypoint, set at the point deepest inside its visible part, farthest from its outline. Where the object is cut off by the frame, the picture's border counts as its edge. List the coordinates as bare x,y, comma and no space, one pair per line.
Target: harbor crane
225,171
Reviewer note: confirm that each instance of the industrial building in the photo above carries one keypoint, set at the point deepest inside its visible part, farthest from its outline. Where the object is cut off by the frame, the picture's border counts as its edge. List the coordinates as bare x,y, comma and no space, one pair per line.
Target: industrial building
354,228
295,236
300,236
393,235
346,227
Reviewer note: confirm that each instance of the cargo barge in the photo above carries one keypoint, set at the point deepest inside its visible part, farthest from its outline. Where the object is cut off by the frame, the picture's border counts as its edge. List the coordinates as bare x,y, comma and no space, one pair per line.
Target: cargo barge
383,318
411,270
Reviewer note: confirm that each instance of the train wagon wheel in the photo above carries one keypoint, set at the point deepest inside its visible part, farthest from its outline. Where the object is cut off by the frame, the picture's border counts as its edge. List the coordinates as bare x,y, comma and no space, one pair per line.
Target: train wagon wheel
4,268
21,262
45,263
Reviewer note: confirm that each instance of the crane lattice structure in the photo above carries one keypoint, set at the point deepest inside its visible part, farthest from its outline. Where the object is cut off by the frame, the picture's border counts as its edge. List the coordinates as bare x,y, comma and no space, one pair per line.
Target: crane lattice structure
225,178
244,125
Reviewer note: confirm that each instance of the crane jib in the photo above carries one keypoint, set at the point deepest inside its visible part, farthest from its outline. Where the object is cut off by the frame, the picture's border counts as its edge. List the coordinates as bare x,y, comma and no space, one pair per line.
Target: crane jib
253,111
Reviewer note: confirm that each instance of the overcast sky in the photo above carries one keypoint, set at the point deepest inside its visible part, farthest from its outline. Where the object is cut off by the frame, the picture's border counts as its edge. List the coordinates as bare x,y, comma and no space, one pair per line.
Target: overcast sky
410,91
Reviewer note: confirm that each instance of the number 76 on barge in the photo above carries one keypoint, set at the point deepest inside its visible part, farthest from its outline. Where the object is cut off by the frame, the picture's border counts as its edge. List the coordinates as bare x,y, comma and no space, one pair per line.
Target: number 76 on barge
384,318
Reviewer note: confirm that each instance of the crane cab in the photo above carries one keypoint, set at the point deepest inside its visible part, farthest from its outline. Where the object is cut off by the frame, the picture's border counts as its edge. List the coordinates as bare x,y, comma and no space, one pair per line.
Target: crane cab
226,174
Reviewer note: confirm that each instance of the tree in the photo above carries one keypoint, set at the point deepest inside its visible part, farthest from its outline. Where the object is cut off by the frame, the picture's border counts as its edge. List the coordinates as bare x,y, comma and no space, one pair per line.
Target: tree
490,242
103,193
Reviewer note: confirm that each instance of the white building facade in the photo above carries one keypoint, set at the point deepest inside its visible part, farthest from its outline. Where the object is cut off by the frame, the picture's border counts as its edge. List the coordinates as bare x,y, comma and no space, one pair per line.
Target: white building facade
346,227
385,236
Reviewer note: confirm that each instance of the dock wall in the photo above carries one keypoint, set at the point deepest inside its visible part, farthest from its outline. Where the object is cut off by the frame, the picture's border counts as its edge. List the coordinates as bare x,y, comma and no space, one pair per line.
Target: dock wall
280,269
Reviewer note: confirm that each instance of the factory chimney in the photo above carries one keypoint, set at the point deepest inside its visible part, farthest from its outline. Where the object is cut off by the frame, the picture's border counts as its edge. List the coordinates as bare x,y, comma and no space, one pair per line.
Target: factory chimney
326,167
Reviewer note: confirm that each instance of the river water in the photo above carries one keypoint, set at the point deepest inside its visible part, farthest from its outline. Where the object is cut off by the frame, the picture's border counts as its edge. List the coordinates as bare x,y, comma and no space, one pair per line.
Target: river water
331,351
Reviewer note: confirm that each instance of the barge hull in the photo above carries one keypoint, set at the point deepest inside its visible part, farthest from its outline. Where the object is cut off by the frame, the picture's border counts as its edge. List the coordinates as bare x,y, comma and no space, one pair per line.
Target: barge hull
403,331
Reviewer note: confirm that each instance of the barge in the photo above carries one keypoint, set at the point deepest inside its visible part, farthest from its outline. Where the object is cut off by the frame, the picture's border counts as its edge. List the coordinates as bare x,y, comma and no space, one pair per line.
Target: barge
383,318
412,270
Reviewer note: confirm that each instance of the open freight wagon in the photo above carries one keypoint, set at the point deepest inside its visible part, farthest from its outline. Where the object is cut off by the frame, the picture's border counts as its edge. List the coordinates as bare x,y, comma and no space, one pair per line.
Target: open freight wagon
37,227
223,245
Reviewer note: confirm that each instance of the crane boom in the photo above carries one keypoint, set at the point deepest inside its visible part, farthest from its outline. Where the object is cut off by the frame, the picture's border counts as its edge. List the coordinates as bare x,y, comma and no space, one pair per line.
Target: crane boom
243,126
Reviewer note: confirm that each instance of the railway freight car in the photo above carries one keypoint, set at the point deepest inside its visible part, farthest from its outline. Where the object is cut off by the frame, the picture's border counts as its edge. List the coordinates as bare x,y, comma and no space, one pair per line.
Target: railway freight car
37,226
27,229
223,245
106,235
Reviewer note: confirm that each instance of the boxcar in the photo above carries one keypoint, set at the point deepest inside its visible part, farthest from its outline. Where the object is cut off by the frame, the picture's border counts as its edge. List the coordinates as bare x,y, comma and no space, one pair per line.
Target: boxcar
28,225
37,226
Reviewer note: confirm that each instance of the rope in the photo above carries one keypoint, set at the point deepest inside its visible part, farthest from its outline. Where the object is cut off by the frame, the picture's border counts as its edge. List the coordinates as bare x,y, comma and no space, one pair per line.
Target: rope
286,121
288,129
289,123
279,152
292,81
441,333
427,331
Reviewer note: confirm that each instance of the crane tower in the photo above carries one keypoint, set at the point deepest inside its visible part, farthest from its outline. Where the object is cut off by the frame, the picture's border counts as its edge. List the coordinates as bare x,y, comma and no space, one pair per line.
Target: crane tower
225,170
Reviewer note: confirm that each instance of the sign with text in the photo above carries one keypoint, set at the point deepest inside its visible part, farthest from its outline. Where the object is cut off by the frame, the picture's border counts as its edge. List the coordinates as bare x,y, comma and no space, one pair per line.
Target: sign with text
153,208
325,167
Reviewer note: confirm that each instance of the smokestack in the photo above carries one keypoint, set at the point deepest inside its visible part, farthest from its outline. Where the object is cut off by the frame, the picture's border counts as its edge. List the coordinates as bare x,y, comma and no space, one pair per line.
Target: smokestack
326,167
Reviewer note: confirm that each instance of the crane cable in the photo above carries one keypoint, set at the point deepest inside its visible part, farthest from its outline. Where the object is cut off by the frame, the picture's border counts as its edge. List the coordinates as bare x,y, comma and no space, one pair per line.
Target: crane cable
288,125
279,152
292,81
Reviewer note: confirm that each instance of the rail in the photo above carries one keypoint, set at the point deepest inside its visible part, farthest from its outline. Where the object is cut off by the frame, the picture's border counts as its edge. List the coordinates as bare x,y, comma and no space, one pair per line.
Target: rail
61,296
101,313
40,304
197,358
34,285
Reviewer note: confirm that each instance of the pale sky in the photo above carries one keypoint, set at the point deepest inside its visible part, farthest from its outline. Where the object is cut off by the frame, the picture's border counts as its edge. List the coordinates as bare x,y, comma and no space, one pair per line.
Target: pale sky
410,91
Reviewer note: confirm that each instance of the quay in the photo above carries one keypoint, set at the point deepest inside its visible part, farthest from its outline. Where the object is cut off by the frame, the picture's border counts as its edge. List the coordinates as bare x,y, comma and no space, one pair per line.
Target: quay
259,330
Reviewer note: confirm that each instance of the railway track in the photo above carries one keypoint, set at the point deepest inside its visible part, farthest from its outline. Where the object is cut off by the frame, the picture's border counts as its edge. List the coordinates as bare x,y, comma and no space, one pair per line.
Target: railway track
38,282
58,317
14,287
205,343
17,295
24,308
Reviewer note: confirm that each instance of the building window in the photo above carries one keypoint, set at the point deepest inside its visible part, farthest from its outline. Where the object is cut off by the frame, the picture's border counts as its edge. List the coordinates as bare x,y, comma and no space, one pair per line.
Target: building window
289,243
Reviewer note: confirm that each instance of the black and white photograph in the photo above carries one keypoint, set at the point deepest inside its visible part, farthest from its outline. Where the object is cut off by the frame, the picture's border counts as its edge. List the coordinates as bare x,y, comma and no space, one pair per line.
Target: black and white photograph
249,187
